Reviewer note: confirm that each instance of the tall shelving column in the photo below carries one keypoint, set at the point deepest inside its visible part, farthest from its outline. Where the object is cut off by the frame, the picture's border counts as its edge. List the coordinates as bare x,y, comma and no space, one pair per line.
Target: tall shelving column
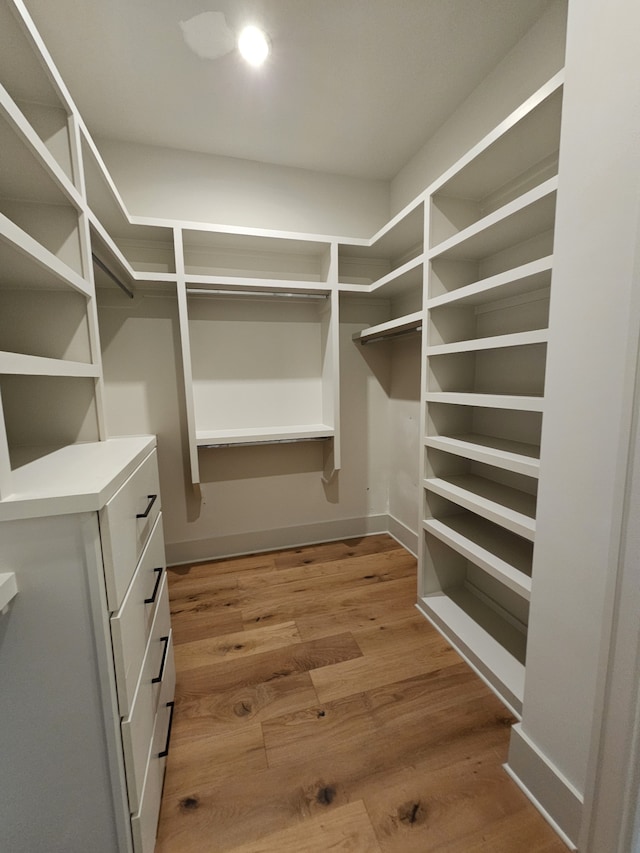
490,235
50,364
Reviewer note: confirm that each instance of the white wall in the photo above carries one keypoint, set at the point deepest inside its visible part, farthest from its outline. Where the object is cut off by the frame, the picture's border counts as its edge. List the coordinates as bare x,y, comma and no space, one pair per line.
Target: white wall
173,184
533,61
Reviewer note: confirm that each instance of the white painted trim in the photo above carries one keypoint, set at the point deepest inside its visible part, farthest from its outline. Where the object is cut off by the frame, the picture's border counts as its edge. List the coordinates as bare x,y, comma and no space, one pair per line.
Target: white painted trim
559,802
403,535
239,544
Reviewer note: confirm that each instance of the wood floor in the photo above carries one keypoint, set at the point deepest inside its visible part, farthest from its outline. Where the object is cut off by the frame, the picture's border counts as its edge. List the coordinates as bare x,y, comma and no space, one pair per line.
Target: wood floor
317,711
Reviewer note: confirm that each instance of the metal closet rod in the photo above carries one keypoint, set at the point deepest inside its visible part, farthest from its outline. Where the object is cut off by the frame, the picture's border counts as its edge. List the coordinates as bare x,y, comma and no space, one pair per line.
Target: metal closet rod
259,443
105,269
278,294
374,339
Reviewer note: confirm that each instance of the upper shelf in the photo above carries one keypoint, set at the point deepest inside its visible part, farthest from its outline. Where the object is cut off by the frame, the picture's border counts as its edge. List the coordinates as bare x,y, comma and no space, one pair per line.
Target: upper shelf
263,435
390,329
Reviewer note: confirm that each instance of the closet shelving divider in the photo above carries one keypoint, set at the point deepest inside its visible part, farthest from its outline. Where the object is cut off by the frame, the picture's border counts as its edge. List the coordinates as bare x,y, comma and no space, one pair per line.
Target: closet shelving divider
388,267
274,294
489,232
49,350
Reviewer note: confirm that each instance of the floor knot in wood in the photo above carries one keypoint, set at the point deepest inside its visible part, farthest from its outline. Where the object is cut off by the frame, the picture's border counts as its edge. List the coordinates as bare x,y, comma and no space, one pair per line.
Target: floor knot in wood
412,814
188,804
326,795
242,709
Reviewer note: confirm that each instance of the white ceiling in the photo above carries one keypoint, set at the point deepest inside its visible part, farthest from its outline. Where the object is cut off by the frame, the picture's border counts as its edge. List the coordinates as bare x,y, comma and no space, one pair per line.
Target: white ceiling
352,87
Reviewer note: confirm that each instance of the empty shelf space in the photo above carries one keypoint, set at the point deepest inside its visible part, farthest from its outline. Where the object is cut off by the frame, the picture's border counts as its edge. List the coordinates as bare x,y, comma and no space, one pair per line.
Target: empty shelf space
487,641
509,508
519,220
33,365
263,435
502,453
537,336
390,329
518,281
406,278
503,555
26,262
245,256
8,588
492,401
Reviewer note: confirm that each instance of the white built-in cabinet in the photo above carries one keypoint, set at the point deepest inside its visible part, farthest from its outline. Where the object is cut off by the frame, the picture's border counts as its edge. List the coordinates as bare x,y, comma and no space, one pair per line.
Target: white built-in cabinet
489,228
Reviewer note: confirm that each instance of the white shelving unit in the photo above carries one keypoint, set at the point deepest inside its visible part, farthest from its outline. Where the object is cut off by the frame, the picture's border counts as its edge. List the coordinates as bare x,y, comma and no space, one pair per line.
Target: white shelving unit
489,263
266,293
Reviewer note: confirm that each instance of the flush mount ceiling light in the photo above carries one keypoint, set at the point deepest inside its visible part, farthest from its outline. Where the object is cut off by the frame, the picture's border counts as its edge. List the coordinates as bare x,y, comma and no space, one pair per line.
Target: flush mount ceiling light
253,45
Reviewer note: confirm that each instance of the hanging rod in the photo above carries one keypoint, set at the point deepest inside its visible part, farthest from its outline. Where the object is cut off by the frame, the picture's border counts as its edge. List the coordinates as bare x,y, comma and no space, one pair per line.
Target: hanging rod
266,441
202,291
375,338
105,269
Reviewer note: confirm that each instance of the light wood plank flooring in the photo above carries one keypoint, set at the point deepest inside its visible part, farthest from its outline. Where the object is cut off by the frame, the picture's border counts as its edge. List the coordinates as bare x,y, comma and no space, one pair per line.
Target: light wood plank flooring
317,711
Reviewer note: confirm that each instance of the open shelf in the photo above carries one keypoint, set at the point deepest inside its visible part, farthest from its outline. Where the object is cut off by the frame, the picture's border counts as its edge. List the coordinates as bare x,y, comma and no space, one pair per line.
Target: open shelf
516,369
266,435
219,255
490,644
495,401
527,216
8,588
538,336
513,456
33,365
391,328
507,507
518,160
502,555
526,278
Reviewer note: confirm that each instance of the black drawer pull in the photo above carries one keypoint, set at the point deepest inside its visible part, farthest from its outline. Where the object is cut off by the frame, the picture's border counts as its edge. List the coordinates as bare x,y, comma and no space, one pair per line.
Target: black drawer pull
165,751
152,499
155,589
160,676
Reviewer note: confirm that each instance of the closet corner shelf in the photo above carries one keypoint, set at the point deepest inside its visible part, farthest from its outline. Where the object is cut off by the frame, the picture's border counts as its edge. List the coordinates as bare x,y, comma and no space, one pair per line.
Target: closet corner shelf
507,507
243,284
529,214
491,646
405,277
390,329
263,435
490,401
8,588
508,455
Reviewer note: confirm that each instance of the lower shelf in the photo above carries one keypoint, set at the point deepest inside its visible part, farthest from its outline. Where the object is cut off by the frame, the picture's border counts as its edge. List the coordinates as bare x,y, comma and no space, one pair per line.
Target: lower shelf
263,435
493,647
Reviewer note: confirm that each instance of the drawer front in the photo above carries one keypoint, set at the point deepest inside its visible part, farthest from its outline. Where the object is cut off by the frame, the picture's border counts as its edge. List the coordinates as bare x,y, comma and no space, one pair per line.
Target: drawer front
131,624
144,824
137,728
126,521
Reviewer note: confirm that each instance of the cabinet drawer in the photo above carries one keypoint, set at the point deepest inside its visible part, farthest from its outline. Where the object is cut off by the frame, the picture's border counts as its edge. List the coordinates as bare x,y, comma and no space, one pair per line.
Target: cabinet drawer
131,624
126,521
158,674
144,823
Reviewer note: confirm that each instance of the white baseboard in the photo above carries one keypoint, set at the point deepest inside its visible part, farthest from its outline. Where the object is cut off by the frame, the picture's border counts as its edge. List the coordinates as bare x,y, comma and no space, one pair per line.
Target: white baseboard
236,544
402,534
550,792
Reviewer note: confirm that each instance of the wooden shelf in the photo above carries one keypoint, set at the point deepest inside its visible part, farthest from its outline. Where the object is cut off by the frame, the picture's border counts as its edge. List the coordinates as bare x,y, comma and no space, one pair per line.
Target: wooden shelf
382,331
508,455
493,647
263,435
8,588
519,220
517,339
241,284
405,278
509,508
503,556
33,365
514,282
491,401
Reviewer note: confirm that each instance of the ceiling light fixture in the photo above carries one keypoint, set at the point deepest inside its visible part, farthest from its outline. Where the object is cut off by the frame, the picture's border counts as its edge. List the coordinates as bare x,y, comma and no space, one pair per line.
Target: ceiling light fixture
253,45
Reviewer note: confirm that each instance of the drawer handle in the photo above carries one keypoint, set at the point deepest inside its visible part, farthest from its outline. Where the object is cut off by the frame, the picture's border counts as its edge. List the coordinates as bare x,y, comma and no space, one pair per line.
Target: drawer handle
152,499
155,589
160,676
165,751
